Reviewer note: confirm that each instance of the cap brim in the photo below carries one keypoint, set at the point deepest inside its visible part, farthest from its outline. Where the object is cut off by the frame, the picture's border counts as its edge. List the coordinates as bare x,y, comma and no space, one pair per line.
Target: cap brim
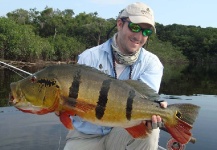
140,19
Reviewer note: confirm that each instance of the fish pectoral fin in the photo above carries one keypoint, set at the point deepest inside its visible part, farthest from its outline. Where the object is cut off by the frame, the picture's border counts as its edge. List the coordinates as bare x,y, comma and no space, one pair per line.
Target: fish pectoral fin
180,131
138,131
66,120
84,106
79,105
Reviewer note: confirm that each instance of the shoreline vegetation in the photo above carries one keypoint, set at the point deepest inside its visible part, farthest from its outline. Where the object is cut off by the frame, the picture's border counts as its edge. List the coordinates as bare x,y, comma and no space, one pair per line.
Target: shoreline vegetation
42,63
21,64
59,36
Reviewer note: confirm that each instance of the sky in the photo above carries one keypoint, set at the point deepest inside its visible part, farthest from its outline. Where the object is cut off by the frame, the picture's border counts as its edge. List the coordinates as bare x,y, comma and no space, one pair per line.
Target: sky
185,12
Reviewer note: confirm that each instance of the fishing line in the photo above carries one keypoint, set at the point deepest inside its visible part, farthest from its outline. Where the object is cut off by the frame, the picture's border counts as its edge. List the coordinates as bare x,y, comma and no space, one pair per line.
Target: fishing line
60,138
15,72
10,66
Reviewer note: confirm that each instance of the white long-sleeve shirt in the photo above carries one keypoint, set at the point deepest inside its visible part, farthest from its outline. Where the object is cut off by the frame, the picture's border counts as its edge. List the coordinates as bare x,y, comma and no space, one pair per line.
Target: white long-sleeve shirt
147,69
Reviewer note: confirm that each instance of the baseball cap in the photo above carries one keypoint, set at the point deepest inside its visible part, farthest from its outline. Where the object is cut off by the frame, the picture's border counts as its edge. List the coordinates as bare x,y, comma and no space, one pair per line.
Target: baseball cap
139,13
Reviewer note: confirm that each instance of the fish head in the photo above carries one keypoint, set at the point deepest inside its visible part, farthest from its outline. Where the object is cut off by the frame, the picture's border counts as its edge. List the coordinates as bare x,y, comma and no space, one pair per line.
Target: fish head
37,94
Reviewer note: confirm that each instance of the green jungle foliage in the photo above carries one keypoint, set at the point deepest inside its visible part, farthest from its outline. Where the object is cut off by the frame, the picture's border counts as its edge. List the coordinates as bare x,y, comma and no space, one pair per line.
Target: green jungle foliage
54,35
198,44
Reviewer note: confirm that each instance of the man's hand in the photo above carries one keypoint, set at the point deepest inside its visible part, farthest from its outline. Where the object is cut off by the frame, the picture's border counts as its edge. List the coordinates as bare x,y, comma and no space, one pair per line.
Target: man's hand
163,104
156,120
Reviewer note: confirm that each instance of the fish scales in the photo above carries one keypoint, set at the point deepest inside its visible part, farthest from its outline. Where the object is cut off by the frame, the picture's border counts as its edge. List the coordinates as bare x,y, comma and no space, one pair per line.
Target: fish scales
111,105
102,93
100,99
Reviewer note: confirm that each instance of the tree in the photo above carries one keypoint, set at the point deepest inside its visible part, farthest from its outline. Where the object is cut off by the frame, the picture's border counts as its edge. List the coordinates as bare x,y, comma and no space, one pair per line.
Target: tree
66,48
20,16
17,41
93,28
194,42
60,35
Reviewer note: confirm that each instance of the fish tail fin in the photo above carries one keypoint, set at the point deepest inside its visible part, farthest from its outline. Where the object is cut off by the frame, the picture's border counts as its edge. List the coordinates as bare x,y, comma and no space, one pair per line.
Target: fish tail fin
180,128
180,131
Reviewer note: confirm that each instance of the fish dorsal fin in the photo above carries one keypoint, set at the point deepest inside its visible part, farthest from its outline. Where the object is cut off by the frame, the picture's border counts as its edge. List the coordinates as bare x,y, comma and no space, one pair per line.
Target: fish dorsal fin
89,68
143,89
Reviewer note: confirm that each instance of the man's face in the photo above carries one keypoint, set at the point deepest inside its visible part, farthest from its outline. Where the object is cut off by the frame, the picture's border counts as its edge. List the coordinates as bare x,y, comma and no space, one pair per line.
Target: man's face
128,41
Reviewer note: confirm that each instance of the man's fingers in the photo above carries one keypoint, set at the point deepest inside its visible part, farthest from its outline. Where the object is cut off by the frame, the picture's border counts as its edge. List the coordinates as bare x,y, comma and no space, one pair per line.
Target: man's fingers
148,124
158,118
163,104
154,125
57,113
159,121
155,122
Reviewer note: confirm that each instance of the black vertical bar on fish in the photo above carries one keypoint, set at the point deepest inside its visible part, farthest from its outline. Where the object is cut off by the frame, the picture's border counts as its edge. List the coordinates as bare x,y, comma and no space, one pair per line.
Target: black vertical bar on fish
129,105
74,88
103,98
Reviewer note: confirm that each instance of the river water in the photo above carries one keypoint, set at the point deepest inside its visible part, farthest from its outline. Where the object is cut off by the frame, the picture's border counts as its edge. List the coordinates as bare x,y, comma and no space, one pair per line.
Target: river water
196,84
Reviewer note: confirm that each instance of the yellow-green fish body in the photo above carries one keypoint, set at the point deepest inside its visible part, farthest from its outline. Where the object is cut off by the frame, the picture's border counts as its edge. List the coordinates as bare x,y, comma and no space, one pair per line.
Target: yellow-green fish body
100,99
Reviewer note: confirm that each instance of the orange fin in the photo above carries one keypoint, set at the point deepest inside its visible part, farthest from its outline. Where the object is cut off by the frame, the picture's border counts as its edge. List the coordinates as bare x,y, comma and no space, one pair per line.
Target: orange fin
84,106
180,131
139,131
79,105
66,120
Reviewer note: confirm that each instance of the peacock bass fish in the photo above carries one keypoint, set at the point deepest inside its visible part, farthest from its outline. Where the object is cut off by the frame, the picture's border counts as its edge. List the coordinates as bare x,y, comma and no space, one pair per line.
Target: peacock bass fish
70,90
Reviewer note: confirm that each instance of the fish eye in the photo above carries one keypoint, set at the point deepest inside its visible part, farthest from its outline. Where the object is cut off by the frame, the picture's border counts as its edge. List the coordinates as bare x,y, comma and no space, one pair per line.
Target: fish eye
33,79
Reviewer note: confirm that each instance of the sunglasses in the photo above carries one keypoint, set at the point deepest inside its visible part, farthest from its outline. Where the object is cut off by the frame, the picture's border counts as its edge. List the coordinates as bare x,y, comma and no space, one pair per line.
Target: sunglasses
136,28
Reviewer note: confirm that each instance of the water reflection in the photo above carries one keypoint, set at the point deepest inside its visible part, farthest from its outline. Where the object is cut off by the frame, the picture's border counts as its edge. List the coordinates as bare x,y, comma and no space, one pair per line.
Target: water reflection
204,127
7,76
196,84
189,79
177,80
45,132
23,131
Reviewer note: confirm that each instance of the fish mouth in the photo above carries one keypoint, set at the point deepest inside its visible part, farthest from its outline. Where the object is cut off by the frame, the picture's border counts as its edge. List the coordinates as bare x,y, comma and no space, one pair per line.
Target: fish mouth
13,94
18,100
28,107
23,105
16,96
13,100
33,110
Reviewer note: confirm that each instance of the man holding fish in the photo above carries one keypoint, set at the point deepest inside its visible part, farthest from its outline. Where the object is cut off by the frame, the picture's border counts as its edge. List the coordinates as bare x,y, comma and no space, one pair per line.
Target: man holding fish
122,57
110,110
